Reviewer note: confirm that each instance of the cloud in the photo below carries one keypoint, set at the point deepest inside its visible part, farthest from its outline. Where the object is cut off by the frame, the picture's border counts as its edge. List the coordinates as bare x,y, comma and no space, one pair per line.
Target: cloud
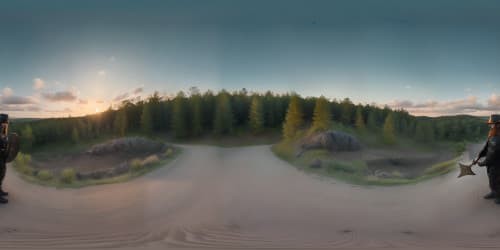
112,58
102,73
61,96
138,90
494,101
7,91
470,105
17,108
38,84
81,101
99,101
16,100
121,97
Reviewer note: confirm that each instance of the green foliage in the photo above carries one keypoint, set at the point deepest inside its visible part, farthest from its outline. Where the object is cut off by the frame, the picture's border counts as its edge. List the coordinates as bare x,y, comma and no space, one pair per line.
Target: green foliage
256,118
45,175
388,130
180,116
146,119
294,119
424,132
159,114
120,123
223,121
23,164
360,121
372,120
169,152
22,160
441,168
68,175
196,115
75,135
136,165
322,119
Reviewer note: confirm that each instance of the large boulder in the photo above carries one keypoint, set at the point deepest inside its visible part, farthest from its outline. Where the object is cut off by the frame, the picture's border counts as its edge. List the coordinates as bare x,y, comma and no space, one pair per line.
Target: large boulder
127,145
333,141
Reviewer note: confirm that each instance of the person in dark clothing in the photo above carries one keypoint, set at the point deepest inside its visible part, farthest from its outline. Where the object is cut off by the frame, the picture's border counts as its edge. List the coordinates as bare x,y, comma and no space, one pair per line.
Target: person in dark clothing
491,154
4,126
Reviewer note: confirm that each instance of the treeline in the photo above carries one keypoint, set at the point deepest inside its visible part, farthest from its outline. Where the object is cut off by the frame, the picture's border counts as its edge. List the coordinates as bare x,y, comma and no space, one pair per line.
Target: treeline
194,114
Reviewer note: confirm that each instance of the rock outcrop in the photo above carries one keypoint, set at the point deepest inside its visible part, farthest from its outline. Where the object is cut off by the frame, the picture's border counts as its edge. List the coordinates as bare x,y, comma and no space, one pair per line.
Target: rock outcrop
127,145
333,141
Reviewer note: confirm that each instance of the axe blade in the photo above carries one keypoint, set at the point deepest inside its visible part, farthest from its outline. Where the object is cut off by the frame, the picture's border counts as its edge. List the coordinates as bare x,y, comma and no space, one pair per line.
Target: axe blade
465,170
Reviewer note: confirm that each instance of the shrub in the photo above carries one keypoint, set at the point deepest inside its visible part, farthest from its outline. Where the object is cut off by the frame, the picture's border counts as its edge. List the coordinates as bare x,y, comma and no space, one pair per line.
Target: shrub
45,175
136,164
22,160
152,159
68,175
168,152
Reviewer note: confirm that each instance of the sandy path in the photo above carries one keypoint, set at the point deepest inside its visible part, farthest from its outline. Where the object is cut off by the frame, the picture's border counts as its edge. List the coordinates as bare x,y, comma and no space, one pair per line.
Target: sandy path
247,198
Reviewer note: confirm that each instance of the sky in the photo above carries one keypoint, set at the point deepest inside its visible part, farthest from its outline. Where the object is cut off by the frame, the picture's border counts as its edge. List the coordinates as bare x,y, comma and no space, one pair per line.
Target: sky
67,57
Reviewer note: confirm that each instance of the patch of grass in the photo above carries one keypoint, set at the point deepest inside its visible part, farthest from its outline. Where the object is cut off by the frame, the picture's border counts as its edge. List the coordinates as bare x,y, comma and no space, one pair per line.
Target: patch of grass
136,165
68,175
45,175
352,171
58,183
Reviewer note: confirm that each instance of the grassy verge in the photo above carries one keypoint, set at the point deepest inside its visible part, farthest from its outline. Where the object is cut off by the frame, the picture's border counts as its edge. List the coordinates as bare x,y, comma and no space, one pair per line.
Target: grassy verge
352,171
68,180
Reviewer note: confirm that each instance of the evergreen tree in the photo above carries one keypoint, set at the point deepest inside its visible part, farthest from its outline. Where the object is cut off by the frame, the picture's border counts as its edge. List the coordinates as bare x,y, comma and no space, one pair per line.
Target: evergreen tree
360,122
75,136
196,115
120,123
256,118
424,132
223,121
322,119
146,119
180,116
372,120
293,119
346,112
28,138
388,130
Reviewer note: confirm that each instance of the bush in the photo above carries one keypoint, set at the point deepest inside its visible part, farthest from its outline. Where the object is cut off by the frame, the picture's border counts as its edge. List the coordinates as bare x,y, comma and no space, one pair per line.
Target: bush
68,175
169,152
45,175
22,160
152,159
136,165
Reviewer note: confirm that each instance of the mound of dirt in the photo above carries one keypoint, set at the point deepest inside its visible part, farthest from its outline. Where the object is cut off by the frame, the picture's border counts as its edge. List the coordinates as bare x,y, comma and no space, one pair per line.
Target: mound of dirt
127,145
333,141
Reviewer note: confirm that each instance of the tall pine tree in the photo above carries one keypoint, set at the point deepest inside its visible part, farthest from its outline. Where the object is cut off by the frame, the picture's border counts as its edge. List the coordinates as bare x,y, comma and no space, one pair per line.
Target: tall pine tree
294,118
360,122
146,119
256,118
120,123
388,130
223,121
322,119
180,116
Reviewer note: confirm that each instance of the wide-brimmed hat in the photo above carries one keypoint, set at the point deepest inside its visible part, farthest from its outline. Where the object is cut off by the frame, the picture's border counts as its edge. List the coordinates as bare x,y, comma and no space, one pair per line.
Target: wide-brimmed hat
494,119
4,118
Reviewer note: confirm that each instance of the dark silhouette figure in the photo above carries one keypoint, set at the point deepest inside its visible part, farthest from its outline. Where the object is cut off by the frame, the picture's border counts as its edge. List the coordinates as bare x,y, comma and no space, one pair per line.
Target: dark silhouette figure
491,154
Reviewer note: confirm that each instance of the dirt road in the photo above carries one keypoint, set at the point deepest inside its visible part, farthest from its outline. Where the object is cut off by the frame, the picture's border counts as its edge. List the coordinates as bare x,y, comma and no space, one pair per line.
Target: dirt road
245,198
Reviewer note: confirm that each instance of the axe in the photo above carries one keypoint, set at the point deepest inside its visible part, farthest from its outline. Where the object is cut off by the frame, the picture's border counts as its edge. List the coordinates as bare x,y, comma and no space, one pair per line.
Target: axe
466,169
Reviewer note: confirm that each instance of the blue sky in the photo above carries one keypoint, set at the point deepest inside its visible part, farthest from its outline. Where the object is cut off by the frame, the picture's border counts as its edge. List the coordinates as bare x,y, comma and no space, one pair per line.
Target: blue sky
60,58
